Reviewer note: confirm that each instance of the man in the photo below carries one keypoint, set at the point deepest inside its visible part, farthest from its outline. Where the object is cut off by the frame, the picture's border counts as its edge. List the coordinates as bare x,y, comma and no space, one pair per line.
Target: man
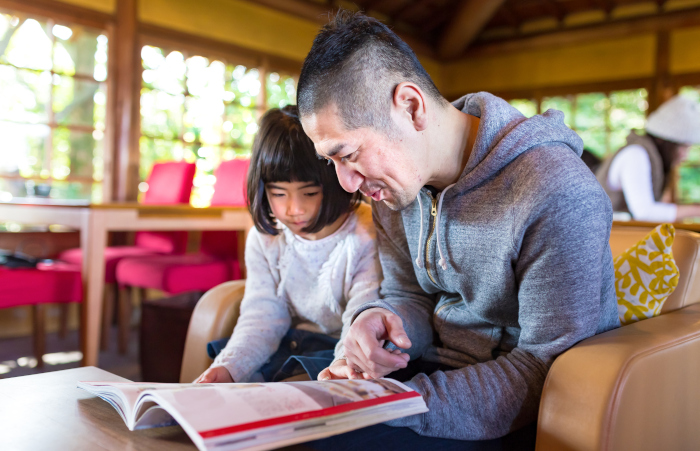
493,235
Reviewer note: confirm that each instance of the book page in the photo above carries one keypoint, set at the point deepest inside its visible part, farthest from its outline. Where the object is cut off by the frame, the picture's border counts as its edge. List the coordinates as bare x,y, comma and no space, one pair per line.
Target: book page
208,408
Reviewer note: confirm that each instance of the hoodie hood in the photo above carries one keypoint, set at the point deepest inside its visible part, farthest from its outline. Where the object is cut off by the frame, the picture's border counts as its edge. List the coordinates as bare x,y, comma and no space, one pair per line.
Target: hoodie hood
504,134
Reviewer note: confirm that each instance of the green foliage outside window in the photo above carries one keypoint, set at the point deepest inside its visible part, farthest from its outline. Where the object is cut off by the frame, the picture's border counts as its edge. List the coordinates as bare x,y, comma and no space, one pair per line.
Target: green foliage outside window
197,110
52,117
689,173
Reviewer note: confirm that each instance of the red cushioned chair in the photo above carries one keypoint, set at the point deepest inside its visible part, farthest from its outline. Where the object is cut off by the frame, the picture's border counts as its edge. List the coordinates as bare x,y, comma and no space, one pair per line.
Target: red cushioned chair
215,263
59,283
169,183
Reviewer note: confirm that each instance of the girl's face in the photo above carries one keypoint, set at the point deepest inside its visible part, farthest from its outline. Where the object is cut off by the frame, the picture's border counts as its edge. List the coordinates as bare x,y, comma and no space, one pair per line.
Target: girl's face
295,204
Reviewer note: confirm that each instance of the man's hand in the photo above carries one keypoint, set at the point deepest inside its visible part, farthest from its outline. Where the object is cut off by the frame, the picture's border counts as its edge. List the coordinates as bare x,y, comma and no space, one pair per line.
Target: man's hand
364,341
216,375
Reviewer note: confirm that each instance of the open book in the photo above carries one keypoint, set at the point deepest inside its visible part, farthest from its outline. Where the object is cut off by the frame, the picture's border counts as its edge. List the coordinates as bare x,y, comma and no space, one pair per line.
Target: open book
259,416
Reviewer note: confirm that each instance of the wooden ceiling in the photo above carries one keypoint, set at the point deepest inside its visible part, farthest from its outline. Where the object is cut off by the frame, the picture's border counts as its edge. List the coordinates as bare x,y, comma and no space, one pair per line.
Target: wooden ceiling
445,29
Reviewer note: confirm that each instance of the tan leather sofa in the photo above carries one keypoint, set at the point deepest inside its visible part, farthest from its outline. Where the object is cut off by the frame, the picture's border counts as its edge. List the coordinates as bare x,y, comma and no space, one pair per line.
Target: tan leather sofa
633,388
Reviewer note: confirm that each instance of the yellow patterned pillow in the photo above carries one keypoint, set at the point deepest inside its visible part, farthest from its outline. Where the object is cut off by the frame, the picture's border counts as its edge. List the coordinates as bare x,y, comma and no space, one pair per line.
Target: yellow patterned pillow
646,275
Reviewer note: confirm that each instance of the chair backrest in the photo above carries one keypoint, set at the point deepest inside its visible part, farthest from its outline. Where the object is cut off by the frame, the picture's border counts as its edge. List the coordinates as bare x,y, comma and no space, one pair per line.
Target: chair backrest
169,183
686,252
230,185
229,191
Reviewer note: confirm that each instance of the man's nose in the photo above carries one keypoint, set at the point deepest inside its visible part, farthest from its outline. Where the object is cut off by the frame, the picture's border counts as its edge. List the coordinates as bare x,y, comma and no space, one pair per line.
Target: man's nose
349,179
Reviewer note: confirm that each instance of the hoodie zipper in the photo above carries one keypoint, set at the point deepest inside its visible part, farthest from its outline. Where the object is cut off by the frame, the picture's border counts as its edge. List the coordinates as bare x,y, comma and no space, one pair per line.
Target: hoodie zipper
433,213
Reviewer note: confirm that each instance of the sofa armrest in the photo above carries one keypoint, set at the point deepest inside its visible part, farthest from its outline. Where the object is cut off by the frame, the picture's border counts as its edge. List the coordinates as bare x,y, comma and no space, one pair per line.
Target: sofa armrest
214,317
635,387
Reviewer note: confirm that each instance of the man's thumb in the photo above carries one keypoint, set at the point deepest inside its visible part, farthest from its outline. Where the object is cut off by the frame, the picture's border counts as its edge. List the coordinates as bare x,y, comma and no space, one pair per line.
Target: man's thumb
396,332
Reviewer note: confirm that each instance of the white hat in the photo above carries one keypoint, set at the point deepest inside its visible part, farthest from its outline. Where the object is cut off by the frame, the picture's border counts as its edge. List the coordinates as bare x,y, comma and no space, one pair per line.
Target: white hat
676,120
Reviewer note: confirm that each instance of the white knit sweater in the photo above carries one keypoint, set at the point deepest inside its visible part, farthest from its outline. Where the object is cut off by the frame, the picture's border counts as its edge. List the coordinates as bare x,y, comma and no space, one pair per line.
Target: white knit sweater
310,285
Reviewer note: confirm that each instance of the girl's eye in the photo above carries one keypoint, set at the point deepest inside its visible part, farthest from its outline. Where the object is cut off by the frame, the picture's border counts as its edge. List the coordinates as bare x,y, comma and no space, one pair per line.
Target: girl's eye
276,194
312,194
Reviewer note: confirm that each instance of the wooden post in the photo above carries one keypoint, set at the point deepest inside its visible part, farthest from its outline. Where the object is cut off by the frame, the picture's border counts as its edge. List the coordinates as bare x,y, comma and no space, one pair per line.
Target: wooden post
127,121
663,88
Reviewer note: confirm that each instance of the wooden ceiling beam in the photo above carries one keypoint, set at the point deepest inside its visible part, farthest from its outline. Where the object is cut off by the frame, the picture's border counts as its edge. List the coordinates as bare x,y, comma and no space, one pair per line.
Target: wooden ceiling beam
411,7
469,19
589,33
320,14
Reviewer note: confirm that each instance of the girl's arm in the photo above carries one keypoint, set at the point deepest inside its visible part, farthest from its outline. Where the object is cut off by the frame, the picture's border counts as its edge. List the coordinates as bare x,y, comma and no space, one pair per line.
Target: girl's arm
264,317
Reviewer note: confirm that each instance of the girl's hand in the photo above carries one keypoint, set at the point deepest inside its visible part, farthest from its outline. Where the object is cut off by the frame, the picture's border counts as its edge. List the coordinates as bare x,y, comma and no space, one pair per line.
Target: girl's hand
216,375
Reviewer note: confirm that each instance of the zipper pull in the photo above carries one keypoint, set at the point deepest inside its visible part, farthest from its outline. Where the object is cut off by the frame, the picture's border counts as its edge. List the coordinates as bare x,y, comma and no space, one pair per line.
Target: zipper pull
433,209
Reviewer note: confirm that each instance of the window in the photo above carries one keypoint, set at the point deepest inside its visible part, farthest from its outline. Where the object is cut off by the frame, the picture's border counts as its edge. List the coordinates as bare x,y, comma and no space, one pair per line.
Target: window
53,110
689,173
603,120
281,90
198,110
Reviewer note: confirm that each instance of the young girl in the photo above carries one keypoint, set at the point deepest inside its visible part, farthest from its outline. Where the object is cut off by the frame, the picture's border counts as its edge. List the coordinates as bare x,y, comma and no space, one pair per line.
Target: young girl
311,261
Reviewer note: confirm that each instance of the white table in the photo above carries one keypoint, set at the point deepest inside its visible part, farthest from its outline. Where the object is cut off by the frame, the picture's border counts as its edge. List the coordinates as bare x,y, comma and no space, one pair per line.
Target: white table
94,221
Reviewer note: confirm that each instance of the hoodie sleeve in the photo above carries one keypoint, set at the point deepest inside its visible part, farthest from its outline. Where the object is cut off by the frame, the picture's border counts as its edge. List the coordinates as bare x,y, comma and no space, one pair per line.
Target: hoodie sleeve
563,254
400,291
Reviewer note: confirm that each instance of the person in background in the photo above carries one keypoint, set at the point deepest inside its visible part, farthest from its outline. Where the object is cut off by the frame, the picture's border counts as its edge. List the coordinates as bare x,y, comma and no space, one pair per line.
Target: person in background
311,258
638,177
591,160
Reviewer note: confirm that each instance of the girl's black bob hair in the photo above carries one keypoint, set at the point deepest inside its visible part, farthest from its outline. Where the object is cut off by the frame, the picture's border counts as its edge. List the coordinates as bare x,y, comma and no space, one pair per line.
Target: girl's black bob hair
283,153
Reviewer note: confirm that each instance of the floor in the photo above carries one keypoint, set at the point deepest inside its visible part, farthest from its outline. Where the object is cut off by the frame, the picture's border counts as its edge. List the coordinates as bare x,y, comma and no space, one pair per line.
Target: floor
16,357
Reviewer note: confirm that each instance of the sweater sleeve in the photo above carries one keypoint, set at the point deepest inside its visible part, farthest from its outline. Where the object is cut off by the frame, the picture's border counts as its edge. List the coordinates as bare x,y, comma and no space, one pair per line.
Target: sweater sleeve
263,320
635,181
559,271
400,291
367,276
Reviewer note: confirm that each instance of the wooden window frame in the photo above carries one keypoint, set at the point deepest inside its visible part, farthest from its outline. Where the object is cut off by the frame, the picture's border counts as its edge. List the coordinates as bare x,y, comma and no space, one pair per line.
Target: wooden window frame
54,12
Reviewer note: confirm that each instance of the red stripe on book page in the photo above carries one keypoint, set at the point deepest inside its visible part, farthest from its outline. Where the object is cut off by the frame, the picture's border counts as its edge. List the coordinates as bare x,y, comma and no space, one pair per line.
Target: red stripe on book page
308,415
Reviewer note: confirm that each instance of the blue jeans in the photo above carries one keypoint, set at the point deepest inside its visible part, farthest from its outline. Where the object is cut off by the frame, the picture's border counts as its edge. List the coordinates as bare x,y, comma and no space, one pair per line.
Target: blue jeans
299,352
387,438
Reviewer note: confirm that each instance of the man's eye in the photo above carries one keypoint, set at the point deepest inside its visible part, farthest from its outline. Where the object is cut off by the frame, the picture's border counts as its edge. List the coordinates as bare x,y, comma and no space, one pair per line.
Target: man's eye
347,157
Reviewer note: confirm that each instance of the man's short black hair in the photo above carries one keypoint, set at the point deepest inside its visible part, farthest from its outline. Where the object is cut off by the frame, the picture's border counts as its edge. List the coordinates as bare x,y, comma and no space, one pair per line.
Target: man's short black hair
356,62
283,153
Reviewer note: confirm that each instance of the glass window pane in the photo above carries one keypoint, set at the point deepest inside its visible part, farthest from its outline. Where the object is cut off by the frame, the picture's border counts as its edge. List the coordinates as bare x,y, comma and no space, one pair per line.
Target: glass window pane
74,101
73,153
527,107
25,95
628,109
203,120
78,50
61,189
281,90
692,92
594,140
154,150
242,85
689,185
591,110
28,144
240,126
163,72
563,104
29,46
161,114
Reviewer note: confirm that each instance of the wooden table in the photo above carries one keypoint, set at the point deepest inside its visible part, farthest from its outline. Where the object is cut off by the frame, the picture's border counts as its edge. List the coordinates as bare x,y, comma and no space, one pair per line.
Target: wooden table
94,222
47,412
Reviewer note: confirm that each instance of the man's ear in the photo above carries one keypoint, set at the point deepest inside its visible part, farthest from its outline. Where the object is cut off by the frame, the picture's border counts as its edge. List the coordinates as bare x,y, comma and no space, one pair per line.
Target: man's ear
409,104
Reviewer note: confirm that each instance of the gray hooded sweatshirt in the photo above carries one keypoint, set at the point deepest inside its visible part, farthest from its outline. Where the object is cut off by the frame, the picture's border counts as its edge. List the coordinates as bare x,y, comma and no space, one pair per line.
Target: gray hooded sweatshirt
499,273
